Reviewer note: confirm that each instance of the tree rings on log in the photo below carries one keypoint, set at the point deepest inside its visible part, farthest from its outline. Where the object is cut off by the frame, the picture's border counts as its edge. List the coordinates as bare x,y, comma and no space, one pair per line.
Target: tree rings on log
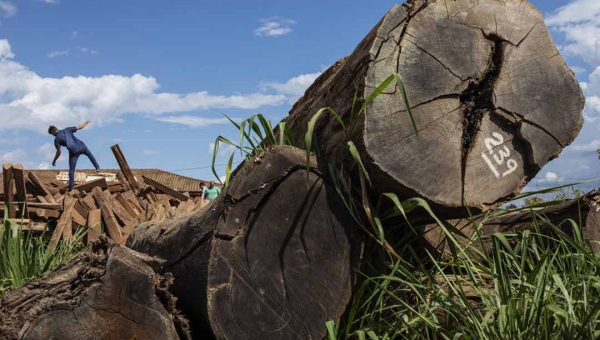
109,293
492,98
273,257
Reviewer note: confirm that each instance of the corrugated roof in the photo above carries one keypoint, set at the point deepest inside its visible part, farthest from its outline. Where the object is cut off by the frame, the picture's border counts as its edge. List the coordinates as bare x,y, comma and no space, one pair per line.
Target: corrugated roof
174,181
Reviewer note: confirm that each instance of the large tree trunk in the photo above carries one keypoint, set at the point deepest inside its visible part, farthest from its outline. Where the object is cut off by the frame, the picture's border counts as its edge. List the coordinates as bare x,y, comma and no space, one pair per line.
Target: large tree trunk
584,211
492,98
109,293
272,257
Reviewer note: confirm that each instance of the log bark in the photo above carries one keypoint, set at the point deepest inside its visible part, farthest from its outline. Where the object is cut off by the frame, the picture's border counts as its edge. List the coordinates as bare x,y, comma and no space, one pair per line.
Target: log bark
109,293
492,98
271,258
584,211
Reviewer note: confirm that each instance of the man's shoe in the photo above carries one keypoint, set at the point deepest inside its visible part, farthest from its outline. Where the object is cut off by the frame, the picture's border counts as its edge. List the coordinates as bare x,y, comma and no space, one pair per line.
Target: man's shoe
97,170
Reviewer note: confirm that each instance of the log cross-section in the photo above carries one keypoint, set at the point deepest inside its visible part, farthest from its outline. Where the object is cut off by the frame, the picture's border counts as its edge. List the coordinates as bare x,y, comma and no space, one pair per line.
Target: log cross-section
165,189
124,167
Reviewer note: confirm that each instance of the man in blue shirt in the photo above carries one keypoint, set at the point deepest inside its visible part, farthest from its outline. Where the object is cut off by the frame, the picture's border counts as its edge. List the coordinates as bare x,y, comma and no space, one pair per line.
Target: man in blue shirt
76,148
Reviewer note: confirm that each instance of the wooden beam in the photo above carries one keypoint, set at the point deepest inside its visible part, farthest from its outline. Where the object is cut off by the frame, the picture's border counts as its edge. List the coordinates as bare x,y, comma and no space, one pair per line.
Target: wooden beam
8,180
94,222
53,206
43,214
21,195
124,167
127,206
89,202
132,198
88,186
35,226
77,218
165,189
123,181
112,226
35,180
63,222
120,212
60,185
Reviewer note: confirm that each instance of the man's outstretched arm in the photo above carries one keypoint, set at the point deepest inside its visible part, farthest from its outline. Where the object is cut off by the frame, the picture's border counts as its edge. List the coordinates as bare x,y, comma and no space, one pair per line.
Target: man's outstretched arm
56,156
81,126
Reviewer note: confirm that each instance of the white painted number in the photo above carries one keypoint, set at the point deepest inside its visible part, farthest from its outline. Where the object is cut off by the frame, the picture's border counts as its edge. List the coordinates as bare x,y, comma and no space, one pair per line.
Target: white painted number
500,156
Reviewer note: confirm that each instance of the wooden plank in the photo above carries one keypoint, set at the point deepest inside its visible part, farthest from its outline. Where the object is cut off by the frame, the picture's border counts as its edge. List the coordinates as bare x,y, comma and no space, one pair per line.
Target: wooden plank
124,167
53,206
133,200
43,214
77,218
120,212
123,181
21,195
50,199
115,188
88,186
89,202
38,184
81,208
110,221
35,227
127,206
8,181
41,199
94,222
60,185
63,222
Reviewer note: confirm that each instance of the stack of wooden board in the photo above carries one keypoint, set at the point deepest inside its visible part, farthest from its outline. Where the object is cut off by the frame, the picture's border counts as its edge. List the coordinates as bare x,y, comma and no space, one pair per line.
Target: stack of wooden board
111,208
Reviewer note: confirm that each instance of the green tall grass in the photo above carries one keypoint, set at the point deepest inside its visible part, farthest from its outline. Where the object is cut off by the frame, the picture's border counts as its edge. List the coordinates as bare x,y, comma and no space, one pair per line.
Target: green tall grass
25,256
531,285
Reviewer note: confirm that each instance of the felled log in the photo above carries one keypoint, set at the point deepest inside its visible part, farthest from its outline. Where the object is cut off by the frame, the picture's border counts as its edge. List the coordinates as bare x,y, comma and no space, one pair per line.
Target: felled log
271,258
109,293
584,211
493,102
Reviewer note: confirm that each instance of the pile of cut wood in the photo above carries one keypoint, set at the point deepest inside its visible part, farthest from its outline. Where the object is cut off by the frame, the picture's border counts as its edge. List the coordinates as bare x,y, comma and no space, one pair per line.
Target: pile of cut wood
113,208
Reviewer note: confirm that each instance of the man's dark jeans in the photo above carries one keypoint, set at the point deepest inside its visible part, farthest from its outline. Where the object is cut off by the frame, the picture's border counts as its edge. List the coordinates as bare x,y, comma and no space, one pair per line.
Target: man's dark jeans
73,162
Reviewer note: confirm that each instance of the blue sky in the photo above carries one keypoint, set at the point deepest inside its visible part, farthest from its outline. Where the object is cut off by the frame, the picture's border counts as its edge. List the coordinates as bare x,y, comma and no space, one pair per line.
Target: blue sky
157,76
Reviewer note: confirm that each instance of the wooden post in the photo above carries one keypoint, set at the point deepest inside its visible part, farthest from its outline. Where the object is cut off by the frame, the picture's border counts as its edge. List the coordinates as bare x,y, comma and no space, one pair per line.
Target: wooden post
63,222
21,196
7,177
112,226
165,189
94,220
124,166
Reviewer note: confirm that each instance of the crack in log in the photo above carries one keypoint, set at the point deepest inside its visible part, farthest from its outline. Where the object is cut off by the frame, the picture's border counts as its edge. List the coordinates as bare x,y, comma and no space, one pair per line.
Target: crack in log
478,99
435,58
521,119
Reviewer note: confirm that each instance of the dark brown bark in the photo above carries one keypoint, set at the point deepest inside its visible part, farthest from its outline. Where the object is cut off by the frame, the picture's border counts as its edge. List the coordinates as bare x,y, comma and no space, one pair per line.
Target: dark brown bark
492,98
584,211
109,293
272,257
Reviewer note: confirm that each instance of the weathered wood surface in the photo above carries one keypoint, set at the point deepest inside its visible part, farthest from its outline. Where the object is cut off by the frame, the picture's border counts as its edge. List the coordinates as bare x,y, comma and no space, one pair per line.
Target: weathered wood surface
88,186
165,189
8,182
492,98
109,293
40,186
131,182
20,194
584,211
272,257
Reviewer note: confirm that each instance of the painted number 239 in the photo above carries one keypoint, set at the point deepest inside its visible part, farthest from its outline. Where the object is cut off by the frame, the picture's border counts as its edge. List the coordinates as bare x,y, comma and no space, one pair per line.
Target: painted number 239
500,156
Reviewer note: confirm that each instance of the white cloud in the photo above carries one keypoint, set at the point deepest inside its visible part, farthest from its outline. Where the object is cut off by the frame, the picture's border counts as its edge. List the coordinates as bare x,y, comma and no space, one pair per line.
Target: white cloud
87,50
224,149
591,146
55,54
579,22
74,34
578,69
43,166
193,121
273,27
39,101
47,151
150,152
54,2
293,88
551,176
5,51
591,90
8,9
16,156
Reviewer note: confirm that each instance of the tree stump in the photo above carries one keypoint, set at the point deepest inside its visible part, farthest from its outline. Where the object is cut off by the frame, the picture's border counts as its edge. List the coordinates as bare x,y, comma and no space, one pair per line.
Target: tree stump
271,258
109,293
492,98
585,211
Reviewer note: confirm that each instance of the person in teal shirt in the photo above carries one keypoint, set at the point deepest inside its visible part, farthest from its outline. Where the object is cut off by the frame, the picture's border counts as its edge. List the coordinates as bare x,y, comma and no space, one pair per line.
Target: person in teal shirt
211,192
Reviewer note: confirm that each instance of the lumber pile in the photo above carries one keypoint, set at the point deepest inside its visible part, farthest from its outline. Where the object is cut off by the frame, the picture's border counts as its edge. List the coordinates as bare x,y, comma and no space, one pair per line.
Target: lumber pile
111,208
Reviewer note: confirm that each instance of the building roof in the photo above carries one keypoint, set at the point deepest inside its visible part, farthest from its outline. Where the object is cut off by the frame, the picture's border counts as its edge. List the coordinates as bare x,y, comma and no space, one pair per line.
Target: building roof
174,181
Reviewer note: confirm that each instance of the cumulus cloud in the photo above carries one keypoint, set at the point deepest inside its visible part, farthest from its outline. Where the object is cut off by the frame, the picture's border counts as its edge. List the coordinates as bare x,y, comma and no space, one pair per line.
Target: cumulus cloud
591,90
274,27
87,50
8,9
193,121
579,22
15,156
591,146
47,151
293,88
38,101
55,54
54,2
